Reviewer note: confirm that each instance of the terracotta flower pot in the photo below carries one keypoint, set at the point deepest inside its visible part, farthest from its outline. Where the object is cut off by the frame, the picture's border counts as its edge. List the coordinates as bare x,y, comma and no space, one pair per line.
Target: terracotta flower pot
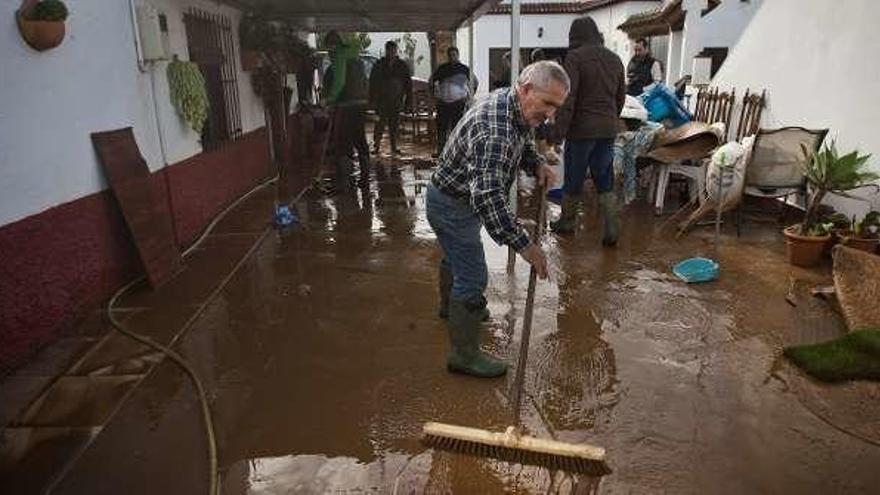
41,35
803,250
862,244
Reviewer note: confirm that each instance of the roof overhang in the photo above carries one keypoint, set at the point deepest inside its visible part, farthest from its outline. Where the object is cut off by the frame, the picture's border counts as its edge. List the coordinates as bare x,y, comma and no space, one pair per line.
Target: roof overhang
371,15
659,22
578,7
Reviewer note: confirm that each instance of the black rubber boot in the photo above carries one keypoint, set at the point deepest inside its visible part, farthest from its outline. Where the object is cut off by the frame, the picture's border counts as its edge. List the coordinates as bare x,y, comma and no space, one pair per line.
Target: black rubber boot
464,354
610,218
568,219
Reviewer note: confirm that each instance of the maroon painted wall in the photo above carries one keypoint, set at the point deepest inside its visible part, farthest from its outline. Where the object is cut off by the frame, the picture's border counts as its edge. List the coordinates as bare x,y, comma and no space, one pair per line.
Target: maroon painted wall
58,264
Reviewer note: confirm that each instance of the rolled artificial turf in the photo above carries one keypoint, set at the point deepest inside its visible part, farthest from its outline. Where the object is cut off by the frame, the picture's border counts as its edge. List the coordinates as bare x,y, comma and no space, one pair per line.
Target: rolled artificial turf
855,356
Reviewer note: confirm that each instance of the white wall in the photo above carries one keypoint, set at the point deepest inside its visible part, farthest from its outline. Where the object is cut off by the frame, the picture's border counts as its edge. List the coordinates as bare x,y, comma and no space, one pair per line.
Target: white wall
423,49
724,25
493,31
814,58
50,102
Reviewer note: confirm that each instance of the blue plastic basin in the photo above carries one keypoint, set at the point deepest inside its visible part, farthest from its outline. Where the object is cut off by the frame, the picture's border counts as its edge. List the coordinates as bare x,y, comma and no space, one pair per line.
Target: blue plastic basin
697,270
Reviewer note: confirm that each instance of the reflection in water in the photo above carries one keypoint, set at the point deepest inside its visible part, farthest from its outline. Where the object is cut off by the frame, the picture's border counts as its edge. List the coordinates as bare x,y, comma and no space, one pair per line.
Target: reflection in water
307,474
395,210
575,370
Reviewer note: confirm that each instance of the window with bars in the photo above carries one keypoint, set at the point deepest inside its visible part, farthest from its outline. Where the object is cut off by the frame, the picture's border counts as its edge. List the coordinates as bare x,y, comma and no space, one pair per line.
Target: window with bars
212,48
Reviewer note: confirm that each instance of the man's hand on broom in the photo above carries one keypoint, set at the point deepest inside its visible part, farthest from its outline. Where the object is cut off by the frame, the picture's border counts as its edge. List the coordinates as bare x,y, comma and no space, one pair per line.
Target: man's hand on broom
535,256
546,176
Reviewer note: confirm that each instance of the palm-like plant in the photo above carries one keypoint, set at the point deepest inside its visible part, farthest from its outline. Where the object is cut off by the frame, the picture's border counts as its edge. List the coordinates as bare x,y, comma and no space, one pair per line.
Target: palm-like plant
828,172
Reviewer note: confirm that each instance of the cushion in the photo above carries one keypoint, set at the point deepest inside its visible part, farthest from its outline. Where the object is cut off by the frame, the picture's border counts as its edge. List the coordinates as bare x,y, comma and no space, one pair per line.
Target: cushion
777,160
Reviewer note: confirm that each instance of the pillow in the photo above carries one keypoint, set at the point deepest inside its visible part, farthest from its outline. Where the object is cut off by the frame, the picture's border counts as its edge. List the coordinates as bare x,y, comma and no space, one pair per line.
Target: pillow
777,160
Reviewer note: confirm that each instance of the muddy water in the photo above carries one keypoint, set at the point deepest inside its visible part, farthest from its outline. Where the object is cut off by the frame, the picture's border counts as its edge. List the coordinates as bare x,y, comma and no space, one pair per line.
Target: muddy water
324,357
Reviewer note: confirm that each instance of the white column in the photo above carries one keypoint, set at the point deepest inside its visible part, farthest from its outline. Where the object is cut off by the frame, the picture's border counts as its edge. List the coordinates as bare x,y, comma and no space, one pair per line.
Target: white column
471,54
514,39
692,42
514,73
673,57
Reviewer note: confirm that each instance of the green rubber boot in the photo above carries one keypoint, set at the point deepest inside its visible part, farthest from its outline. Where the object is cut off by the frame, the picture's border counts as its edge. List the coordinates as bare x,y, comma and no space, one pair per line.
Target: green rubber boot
610,217
465,355
568,219
444,288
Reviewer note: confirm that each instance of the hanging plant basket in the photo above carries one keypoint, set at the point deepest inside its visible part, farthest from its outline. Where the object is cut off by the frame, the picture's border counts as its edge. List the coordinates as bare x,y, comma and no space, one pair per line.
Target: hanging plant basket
188,93
42,23
41,35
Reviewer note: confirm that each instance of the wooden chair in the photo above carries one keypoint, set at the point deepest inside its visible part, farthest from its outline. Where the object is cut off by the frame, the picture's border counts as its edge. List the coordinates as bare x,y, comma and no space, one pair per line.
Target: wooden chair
775,169
750,115
713,106
422,114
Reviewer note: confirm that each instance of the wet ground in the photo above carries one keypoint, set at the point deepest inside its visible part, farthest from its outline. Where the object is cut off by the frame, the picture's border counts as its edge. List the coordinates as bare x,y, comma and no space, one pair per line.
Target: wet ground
323,356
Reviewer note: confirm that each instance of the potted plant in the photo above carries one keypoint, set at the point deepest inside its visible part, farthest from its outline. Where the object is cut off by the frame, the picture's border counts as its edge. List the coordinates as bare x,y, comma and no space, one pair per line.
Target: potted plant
42,23
826,171
865,233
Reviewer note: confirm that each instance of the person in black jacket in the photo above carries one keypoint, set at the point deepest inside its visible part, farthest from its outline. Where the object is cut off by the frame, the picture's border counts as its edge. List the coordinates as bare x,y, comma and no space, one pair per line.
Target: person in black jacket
390,92
643,69
452,86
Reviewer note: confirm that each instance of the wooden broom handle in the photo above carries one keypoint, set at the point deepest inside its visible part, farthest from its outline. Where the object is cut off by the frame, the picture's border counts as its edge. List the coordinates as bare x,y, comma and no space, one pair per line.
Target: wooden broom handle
529,309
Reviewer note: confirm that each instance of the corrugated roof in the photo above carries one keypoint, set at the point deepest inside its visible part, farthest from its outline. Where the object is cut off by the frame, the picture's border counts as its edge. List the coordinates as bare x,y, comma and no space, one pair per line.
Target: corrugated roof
556,7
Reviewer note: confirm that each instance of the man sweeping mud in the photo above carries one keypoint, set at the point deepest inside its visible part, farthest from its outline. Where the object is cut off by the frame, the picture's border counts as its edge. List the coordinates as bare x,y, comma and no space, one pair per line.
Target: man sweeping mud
469,190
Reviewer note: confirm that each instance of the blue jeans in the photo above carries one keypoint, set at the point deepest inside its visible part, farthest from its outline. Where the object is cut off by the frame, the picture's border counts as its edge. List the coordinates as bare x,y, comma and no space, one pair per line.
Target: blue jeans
595,155
458,231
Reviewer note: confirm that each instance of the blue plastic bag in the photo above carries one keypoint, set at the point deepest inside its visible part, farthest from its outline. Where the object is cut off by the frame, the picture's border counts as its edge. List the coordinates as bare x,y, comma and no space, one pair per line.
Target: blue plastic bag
284,217
661,103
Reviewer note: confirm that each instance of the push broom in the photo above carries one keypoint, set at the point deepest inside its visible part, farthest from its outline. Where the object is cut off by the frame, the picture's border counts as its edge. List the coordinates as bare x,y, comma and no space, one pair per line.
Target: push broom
512,445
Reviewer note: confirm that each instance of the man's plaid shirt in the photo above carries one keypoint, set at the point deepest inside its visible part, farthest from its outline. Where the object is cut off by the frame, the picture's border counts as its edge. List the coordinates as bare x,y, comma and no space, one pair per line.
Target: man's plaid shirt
479,163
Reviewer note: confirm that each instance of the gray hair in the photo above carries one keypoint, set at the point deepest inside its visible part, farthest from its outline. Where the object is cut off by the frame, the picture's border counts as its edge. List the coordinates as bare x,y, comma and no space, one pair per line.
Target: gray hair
540,74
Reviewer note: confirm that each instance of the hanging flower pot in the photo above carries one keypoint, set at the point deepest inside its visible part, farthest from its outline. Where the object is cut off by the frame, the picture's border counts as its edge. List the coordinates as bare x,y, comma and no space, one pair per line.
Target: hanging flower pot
42,24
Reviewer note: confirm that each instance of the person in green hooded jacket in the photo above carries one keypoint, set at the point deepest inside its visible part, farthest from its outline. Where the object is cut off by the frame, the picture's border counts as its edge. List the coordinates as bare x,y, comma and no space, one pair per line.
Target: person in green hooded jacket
347,93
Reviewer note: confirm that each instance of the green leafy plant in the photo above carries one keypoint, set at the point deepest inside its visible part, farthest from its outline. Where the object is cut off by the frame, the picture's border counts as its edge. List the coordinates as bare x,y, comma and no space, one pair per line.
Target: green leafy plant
277,42
408,44
826,172
840,221
188,93
362,40
820,229
48,10
868,227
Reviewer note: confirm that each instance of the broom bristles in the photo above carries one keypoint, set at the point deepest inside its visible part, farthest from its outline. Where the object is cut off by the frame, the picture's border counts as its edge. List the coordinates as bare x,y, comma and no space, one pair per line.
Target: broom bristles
512,447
